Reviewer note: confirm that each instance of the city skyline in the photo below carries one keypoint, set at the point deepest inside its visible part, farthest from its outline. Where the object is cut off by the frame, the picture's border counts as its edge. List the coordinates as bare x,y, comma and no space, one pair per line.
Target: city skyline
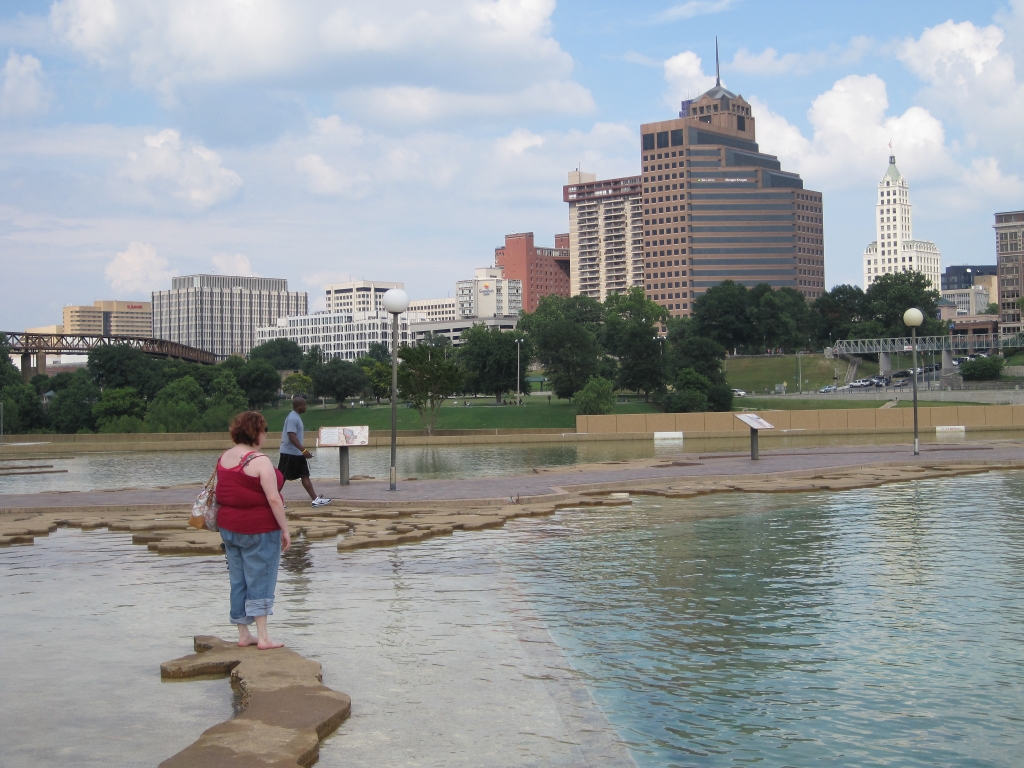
135,149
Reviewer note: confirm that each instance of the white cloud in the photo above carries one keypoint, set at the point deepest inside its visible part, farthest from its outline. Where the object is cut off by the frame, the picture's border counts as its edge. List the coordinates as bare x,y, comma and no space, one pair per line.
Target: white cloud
323,179
477,48
138,269
189,172
770,63
519,141
431,104
228,264
685,76
22,93
693,8
970,79
850,126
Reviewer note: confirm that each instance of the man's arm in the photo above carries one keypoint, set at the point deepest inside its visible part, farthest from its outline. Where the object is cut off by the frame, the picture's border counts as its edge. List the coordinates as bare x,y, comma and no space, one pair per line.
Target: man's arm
294,438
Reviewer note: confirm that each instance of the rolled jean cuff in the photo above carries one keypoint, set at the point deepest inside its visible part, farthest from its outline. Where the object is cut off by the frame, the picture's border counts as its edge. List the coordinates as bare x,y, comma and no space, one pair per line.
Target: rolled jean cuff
243,620
263,606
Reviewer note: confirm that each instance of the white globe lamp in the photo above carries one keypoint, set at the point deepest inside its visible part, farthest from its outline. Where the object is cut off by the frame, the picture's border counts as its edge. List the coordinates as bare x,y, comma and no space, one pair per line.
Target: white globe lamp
396,301
913,317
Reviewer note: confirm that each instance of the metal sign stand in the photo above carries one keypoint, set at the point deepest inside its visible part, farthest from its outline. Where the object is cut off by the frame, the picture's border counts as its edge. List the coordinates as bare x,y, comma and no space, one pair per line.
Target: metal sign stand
756,424
343,463
343,438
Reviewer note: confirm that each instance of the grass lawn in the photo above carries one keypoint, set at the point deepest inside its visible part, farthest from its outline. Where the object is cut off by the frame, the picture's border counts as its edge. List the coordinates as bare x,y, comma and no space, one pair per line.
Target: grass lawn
759,374
481,414
1017,359
825,404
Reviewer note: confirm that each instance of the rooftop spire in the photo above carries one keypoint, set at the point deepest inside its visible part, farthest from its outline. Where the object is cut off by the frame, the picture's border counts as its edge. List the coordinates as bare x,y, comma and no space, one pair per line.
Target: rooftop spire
718,74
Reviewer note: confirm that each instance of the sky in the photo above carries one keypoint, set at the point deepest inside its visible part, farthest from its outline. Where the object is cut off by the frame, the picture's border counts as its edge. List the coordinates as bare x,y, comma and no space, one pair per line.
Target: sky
402,139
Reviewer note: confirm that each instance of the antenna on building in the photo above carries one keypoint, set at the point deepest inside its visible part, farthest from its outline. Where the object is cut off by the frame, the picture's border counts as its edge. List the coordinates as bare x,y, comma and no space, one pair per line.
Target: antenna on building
718,73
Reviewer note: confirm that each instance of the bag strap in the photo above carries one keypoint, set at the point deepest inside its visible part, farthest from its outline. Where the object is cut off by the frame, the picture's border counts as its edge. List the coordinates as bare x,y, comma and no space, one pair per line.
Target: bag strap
249,457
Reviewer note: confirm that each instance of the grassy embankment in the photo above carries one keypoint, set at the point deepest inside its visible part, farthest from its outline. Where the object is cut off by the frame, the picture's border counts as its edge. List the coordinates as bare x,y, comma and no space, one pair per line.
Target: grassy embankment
482,413
761,374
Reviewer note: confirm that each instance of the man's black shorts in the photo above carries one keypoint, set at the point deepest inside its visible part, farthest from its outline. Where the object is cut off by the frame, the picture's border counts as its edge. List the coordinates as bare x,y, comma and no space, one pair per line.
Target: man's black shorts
293,467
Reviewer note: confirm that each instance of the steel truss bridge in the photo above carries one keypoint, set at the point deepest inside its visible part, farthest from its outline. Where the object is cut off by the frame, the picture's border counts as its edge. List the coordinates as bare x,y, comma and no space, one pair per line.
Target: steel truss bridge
41,344
956,343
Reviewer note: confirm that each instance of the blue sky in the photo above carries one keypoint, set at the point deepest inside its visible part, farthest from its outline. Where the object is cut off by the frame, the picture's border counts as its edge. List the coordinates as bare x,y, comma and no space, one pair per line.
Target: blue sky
401,140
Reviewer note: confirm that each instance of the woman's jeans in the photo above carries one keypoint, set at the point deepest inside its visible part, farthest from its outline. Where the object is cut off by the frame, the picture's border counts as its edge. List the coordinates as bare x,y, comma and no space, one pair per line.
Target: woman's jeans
252,567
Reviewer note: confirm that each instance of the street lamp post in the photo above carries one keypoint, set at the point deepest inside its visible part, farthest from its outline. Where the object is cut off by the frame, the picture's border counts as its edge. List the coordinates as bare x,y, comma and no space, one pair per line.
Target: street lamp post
519,379
913,317
396,301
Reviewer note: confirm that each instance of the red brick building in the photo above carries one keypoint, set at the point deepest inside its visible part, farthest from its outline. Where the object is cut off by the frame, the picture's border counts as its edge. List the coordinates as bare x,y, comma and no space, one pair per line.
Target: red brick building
543,271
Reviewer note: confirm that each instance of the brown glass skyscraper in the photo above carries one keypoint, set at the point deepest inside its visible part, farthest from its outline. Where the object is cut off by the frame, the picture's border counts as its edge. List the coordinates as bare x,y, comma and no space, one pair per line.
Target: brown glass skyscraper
716,208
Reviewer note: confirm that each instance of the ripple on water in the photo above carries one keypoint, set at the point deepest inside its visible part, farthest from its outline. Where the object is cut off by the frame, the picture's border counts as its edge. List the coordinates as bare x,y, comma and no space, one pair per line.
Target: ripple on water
875,627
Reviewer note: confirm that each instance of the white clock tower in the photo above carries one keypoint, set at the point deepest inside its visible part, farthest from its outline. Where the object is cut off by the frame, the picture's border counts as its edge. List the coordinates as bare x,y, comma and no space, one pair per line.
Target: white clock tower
895,249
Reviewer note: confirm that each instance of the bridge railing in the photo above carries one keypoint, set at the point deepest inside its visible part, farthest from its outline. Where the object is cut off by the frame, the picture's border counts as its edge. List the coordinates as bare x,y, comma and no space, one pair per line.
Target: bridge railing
954,343
67,343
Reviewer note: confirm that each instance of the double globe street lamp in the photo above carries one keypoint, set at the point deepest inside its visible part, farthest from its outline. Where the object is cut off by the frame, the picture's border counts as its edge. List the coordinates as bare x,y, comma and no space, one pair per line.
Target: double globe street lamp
913,317
396,301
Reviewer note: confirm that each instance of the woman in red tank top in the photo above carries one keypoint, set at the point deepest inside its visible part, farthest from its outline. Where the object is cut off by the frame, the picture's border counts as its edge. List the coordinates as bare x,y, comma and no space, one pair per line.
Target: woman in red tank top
252,526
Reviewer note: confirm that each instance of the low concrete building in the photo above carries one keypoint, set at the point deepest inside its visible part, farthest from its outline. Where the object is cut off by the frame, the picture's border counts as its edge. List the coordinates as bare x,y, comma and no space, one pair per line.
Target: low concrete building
344,335
444,310
969,301
358,295
453,330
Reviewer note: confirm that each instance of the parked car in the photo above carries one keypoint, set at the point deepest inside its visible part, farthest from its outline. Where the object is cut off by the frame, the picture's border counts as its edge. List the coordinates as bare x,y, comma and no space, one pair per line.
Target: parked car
860,383
738,393
826,390
900,382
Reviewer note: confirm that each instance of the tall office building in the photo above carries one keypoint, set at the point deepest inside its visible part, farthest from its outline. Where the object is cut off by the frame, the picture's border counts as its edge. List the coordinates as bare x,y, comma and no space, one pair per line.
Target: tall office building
220,313
542,271
358,295
1009,228
110,318
489,294
894,248
716,208
606,234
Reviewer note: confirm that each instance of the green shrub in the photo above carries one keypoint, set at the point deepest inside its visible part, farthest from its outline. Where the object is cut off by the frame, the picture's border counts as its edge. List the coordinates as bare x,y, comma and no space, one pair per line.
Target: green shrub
982,369
121,424
686,401
597,398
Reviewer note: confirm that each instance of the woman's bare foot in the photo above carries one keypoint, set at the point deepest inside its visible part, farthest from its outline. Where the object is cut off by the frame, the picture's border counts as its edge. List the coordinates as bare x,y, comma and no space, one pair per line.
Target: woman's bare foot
265,645
245,638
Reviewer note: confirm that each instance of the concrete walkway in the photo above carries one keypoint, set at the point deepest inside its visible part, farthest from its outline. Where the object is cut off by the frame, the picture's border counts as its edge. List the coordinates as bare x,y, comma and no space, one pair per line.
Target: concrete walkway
555,481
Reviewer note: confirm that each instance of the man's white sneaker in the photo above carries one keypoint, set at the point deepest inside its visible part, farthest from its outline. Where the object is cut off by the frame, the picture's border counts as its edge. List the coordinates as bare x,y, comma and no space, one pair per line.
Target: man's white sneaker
320,501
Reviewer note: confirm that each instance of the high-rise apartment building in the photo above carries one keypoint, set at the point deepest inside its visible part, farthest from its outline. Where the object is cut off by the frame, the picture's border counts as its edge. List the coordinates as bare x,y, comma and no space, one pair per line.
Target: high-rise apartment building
716,208
358,295
489,294
542,271
606,234
110,318
220,313
894,248
1009,228
962,276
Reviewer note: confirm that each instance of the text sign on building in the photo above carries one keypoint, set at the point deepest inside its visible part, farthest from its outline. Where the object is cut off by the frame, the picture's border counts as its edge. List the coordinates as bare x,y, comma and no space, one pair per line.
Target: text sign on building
754,421
334,437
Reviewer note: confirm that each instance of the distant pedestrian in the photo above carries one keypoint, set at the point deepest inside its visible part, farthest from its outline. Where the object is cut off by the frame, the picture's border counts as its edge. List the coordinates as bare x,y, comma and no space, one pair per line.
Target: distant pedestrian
293,464
252,526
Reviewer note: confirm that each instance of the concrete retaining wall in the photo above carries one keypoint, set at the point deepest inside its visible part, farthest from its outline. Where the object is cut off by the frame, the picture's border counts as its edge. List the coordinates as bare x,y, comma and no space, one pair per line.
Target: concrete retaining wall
838,421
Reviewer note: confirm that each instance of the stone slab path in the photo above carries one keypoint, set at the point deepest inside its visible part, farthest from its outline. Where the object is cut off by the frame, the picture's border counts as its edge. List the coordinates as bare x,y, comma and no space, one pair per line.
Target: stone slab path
550,482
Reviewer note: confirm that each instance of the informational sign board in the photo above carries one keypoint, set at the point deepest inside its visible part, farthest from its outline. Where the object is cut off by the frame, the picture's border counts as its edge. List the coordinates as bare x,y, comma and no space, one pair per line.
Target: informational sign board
343,437
754,421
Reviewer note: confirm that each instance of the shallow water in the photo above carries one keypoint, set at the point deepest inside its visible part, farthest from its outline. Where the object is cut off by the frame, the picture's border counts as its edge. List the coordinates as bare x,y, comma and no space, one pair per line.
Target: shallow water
879,627
109,471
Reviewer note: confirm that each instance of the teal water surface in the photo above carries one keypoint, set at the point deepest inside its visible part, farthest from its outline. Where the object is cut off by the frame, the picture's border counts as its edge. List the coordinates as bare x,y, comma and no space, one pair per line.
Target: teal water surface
880,627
